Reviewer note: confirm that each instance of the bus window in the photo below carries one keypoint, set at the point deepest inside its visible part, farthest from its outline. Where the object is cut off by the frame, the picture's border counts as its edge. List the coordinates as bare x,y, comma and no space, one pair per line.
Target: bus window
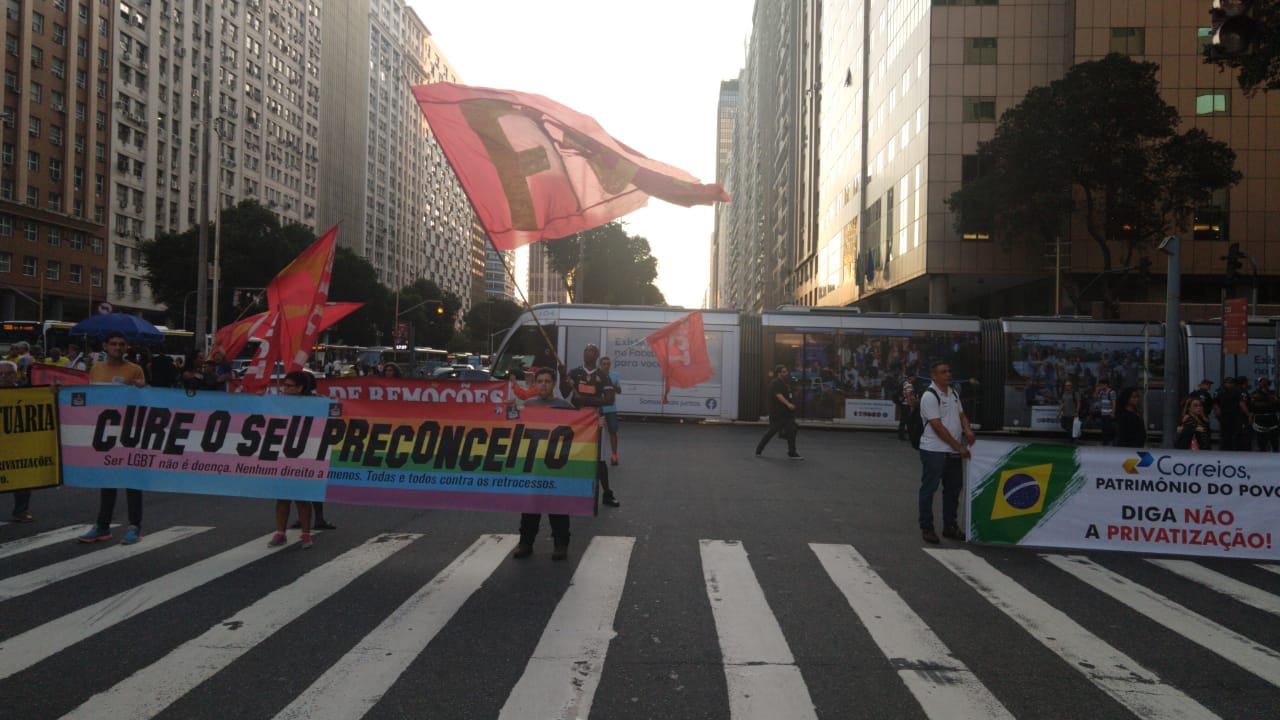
12,331
526,348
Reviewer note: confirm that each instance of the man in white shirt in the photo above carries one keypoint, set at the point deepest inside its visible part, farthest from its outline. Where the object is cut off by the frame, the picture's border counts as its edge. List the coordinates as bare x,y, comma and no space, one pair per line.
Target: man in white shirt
941,452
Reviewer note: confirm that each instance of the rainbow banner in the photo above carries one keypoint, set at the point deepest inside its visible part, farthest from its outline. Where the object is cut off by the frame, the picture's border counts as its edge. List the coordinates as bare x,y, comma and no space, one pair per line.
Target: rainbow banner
207,442
464,457
29,456
403,454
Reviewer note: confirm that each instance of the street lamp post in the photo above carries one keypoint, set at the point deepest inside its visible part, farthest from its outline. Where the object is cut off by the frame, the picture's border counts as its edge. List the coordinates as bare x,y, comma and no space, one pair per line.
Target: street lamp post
202,254
1171,246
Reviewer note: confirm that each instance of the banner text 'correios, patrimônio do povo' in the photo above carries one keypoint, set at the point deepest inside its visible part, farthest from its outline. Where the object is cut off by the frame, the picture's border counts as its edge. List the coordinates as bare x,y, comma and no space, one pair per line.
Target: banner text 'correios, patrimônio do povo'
1224,504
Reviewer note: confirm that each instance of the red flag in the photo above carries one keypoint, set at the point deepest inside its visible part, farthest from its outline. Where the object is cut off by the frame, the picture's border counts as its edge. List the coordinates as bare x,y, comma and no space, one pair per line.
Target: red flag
295,308
681,351
42,374
231,339
537,170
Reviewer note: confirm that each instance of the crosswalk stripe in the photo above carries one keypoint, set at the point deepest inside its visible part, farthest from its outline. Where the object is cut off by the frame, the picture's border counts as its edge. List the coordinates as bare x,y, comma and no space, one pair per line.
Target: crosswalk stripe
44,539
357,681
1270,568
764,682
148,692
23,651
1261,661
49,574
560,680
1224,584
944,686
1118,675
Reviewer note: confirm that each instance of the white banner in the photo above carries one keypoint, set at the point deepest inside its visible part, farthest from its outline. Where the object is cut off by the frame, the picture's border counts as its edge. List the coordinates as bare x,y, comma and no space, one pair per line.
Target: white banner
1045,417
1179,502
870,412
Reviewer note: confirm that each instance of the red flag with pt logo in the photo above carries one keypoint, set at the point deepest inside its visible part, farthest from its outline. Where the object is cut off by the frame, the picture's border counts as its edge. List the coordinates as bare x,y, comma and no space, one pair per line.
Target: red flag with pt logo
681,350
536,170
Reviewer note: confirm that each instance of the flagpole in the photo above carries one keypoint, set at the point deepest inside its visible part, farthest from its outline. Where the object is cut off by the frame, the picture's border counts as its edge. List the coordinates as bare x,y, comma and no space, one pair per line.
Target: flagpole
202,253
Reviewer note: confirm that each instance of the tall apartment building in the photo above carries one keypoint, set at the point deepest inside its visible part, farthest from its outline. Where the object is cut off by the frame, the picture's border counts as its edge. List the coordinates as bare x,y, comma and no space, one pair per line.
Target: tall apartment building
906,91
726,114
54,164
545,285
418,222
498,282
250,72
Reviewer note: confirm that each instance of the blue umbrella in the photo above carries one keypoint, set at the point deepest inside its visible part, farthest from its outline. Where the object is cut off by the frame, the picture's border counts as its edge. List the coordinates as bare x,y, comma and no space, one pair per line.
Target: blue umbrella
134,328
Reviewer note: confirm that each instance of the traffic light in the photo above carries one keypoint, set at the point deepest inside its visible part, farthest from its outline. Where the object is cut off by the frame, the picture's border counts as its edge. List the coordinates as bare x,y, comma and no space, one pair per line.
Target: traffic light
1233,263
1234,28
439,309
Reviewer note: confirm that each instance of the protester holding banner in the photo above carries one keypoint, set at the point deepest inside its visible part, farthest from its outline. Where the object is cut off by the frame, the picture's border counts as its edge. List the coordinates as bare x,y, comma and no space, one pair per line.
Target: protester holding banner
587,386
941,453
1131,430
1265,407
610,411
782,413
21,498
1193,431
544,384
297,382
115,369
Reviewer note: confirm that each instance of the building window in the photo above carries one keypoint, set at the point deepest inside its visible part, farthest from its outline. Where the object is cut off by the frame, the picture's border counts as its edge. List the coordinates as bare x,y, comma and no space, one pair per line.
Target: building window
53,270
77,241
96,245
55,236
1212,220
6,225
74,273
1204,37
979,109
29,266
1213,102
940,3
33,161
6,155
30,232
980,51
95,278
6,262
1129,40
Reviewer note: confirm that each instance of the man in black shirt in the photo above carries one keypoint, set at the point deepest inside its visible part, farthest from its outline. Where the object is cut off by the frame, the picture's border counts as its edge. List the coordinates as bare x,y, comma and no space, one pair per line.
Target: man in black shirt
1232,414
1266,417
782,413
589,386
1205,395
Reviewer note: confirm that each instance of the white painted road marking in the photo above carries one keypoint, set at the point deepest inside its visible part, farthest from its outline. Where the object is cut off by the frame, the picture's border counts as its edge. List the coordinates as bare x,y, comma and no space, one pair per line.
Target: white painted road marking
44,539
1224,584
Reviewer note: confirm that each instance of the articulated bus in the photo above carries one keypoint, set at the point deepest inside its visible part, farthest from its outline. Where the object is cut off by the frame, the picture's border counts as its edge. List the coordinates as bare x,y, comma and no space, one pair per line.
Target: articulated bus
57,333
848,366
418,362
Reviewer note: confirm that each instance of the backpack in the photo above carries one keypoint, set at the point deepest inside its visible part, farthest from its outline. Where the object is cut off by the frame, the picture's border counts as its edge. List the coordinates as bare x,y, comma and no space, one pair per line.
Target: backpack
915,423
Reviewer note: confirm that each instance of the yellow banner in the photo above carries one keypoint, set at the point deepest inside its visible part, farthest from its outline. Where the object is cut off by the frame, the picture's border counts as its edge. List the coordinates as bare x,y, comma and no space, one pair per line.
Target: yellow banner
29,455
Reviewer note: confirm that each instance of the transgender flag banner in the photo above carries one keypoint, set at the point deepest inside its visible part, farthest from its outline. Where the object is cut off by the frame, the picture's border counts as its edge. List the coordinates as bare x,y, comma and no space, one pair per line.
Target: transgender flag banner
116,436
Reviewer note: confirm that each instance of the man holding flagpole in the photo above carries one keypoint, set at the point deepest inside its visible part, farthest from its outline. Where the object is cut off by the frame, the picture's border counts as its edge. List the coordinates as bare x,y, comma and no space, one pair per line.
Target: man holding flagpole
588,386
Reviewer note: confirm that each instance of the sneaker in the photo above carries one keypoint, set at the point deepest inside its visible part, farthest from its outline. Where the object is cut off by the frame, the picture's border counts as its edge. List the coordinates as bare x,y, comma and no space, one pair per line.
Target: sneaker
610,500
930,536
794,456
561,552
95,534
131,536
954,533
613,459
26,517
306,542
523,550
276,540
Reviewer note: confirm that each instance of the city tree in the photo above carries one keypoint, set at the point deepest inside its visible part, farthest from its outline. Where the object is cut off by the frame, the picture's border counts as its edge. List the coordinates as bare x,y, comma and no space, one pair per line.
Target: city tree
1256,59
1100,145
606,265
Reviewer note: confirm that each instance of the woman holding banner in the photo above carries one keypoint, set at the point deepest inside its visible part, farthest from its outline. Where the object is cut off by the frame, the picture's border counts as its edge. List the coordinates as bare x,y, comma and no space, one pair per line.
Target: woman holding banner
1193,431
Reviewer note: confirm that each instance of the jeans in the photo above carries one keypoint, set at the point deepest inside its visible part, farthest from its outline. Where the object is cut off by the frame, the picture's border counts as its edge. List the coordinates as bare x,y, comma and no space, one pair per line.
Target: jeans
21,501
107,506
784,426
944,468
529,523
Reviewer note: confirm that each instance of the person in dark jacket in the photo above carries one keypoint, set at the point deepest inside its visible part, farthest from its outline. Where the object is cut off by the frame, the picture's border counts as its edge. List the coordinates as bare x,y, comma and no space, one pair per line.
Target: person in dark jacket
1131,430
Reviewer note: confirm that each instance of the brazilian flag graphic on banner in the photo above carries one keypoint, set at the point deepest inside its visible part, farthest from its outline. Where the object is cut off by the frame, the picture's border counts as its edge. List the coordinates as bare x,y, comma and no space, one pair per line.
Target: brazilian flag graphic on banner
1024,488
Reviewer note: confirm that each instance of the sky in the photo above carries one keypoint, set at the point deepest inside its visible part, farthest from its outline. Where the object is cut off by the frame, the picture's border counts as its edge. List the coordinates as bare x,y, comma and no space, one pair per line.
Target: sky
649,72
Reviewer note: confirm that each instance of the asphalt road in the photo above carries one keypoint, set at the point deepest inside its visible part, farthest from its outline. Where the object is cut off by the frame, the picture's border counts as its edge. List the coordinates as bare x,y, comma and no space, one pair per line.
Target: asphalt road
725,586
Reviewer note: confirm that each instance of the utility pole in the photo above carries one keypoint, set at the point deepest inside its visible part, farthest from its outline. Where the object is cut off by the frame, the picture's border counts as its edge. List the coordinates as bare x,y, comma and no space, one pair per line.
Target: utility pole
202,254
1171,246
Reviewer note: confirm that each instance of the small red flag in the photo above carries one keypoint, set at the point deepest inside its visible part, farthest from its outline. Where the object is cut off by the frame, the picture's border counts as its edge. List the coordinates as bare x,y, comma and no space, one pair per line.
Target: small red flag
231,339
295,308
536,170
42,374
681,351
